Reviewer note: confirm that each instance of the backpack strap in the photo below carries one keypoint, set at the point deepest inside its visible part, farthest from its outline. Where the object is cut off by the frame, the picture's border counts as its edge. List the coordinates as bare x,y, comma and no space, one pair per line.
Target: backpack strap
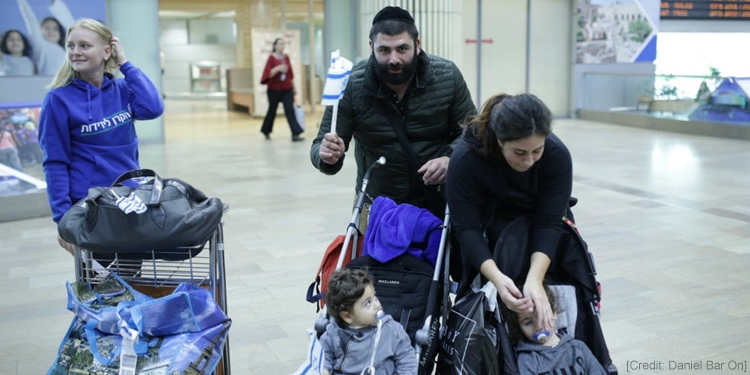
314,295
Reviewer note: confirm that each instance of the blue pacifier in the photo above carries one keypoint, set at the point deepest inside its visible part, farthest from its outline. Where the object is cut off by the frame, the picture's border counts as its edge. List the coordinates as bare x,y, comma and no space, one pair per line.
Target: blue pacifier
379,315
540,336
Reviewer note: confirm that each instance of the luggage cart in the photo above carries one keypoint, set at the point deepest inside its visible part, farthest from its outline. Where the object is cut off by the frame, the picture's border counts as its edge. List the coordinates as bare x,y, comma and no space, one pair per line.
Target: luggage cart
155,277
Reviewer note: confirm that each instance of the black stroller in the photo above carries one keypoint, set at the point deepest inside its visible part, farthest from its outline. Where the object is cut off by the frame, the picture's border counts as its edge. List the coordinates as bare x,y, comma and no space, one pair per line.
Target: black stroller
477,340
574,266
407,287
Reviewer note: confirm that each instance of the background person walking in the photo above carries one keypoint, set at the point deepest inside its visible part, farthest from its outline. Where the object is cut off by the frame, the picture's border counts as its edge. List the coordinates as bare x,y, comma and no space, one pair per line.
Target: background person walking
279,77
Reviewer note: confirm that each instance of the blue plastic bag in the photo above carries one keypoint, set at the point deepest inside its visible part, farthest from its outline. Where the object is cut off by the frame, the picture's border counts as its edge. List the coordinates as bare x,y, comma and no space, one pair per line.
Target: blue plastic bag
183,331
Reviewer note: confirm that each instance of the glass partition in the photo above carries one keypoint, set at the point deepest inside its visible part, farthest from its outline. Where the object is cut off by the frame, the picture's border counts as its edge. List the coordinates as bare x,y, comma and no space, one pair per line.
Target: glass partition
703,98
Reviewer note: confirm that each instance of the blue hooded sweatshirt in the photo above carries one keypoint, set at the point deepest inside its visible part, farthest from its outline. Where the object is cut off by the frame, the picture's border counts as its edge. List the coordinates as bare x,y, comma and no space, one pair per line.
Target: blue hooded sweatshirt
88,133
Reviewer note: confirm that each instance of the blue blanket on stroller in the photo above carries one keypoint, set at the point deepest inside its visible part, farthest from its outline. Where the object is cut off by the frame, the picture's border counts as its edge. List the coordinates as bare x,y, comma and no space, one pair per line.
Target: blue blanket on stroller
397,229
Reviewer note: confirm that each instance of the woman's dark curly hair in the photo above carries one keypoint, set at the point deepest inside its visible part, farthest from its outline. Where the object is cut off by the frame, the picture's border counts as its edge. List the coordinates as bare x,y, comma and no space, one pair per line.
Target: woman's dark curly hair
345,287
507,118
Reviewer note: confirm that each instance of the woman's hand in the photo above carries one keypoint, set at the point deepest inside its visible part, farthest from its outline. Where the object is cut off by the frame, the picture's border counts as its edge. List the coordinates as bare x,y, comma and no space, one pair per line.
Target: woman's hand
278,69
534,290
545,317
511,296
509,293
69,247
118,53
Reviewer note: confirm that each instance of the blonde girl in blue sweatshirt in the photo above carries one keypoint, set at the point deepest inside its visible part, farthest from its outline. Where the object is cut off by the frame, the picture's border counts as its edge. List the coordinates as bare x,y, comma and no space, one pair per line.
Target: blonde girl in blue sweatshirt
86,125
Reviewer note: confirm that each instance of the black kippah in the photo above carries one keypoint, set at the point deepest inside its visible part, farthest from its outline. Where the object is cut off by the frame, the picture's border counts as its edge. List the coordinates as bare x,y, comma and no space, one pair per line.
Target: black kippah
393,14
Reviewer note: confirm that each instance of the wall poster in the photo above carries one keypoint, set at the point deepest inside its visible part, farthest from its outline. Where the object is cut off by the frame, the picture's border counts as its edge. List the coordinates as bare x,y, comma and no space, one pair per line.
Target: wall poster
32,33
32,43
616,31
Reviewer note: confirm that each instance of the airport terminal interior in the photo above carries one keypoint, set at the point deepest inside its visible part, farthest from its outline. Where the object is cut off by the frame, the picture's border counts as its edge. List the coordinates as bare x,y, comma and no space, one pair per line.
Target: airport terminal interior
663,207
666,216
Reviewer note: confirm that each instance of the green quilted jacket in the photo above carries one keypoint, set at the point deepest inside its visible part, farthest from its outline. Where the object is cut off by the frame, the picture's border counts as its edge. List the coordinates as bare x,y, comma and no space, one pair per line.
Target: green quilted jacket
435,107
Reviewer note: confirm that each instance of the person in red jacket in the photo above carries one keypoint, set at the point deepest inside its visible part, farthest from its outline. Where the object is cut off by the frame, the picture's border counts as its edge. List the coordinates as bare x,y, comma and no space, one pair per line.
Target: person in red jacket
278,75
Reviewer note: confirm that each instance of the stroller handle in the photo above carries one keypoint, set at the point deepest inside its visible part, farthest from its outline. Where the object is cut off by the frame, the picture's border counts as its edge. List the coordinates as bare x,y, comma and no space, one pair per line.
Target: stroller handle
366,181
366,178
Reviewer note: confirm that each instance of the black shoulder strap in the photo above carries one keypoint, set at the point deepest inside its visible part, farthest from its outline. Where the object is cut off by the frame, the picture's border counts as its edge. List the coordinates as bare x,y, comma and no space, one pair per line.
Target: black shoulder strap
399,128
435,203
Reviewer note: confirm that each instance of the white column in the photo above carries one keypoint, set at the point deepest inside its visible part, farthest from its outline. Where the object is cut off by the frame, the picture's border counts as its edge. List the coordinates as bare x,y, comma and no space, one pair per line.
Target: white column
136,23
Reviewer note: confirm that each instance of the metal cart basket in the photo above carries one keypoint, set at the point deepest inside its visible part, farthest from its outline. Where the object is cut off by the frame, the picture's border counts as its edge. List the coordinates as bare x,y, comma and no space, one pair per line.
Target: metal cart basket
150,274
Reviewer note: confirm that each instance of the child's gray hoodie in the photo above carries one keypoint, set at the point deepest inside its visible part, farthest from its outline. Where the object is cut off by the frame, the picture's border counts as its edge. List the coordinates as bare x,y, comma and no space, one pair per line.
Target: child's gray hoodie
348,351
569,356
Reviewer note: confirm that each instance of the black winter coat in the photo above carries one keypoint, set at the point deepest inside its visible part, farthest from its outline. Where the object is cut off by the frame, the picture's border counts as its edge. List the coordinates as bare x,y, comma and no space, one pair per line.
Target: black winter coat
434,108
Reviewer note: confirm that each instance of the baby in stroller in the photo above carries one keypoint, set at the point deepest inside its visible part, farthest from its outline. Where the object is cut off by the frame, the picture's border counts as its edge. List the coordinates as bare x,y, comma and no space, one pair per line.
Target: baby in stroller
361,337
542,353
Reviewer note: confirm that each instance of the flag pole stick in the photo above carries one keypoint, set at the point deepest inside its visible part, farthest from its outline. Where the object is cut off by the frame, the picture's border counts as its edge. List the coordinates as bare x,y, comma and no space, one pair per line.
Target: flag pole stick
334,117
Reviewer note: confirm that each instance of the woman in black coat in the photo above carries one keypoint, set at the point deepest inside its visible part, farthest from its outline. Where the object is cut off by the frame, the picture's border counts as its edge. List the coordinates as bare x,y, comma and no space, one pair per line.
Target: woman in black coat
510,164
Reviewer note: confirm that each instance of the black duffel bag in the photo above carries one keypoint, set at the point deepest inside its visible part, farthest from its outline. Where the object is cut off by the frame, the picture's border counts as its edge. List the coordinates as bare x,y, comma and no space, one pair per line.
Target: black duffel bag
177,222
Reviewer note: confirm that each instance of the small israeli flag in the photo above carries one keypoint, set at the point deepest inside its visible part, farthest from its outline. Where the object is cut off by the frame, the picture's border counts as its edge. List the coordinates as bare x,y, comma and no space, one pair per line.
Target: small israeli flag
338,75
131,203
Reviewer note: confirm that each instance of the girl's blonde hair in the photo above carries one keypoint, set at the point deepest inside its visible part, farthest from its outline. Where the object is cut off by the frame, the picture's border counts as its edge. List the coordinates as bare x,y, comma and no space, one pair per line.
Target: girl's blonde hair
66,73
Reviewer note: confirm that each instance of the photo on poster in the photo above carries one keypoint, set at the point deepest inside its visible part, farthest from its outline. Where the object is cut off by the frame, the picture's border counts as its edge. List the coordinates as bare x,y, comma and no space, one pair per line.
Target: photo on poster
614,31
32,33
20,154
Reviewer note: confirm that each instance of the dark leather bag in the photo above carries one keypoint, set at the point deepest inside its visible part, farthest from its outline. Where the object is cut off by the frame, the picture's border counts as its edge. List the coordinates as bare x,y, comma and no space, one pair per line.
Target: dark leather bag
178,220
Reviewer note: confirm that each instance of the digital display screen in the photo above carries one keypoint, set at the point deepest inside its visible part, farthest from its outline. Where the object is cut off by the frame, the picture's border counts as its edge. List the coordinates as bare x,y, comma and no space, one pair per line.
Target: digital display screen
705,9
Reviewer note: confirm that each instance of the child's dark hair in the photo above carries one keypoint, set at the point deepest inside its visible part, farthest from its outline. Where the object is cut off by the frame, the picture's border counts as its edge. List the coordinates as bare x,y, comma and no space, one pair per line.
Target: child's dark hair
4,43
345,287
514,327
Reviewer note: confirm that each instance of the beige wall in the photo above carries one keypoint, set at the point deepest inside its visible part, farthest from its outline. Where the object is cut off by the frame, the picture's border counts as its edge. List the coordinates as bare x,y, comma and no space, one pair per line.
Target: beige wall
551,60
503,62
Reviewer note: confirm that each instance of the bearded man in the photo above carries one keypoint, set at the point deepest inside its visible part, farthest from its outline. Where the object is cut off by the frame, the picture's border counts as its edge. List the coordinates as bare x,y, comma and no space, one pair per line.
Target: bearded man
403,104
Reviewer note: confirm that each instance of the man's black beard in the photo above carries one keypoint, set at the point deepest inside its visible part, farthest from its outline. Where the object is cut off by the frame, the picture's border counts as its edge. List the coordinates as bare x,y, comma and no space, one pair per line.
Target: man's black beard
407,71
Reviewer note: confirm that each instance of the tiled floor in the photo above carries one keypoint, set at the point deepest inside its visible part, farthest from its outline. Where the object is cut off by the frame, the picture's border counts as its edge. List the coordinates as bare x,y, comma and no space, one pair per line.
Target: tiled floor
667,217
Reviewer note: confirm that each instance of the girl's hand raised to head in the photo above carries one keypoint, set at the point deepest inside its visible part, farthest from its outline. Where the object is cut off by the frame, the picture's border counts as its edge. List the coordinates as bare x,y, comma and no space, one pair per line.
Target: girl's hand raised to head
118,53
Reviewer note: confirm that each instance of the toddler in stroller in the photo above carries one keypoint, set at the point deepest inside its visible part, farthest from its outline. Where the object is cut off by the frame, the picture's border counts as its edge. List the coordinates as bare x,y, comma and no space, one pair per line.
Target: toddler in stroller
361,337
572,277
404,250
575,309
544,353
